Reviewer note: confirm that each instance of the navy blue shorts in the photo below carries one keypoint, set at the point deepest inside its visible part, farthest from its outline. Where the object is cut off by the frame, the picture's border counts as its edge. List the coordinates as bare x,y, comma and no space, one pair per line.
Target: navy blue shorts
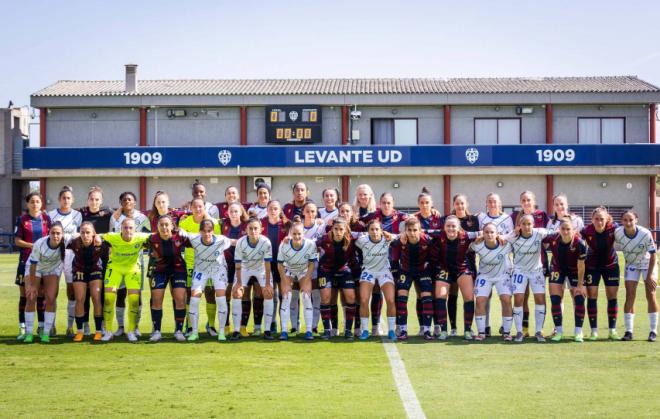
423,280
86,277
20,274
609,276
160,280
341,280
559,279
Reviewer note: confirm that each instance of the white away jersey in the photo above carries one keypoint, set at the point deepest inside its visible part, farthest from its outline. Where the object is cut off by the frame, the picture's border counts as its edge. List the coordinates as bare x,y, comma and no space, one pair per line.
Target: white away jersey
503,222
212,210
527,251
46,258
258,211
635,249
210,258
296,260
142,223
251,257
314,232
553,225
375,256
326,215
493,262
70,221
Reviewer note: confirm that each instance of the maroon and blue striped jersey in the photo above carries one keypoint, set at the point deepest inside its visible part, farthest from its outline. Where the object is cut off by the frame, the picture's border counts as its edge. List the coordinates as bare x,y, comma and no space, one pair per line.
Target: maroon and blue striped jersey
565,256
30,230
453,254
419,258
333,256
600,252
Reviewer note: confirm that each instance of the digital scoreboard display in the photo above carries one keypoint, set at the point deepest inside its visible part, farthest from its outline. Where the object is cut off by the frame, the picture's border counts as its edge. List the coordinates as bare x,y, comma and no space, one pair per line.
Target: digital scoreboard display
293,124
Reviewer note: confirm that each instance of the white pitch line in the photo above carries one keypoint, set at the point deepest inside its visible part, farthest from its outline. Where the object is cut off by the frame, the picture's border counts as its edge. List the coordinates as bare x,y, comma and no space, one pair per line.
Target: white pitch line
403,385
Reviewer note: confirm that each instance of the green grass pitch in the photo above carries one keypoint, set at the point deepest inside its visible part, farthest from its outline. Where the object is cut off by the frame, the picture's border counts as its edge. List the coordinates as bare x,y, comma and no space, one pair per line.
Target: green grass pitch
334,379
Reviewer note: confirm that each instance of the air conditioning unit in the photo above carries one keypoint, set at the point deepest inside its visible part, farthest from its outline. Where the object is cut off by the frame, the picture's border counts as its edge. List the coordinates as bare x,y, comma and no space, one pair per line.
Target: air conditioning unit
261,179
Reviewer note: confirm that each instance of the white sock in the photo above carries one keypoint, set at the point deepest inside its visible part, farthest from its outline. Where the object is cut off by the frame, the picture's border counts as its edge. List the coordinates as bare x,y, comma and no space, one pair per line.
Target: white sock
403,327
295,309
285,311
364,323
518,318
559,329
506,324
481,324
41,325
29,322
308,314
268,313
316,303
193,313
578,330
71,313
653,322
49,319
391,323
221,306
236,312
629,321
120,316
539,317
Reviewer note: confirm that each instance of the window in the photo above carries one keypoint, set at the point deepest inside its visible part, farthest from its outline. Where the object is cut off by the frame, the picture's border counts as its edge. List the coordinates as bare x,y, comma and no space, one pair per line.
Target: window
394,131
601,130
497,130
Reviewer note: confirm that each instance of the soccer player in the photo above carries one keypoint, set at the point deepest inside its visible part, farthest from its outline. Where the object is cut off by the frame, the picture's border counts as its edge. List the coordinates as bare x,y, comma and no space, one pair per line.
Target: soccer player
276,228
364,203
295,207
220,209
260,208
495,215
253,256
329,210
234,227
454,268
375,271
70,220
494,271
601,263
337,256
160,207
166,250
528,270
87,273
639,250
44,267
560,205
30,227
199,191
568,254
210,265
417,258
296,261
123,267
191,225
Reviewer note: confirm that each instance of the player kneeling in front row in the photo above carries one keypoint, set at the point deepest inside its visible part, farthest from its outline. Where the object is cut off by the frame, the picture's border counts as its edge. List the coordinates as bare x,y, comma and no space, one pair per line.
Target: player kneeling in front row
253,257
295,261
210,265
494,271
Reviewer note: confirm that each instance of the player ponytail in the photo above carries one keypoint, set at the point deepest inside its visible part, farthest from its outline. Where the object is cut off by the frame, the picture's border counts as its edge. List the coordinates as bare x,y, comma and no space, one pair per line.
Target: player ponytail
65,189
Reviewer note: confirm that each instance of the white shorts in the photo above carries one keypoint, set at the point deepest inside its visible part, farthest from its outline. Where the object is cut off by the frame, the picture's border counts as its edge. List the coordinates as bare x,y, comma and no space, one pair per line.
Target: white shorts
520,279
201,280
40,274
247,274
483,285
68,266
635,274
380,278
295,277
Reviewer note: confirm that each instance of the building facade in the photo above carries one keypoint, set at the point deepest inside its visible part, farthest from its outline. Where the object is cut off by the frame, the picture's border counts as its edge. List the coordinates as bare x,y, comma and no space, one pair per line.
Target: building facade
523,129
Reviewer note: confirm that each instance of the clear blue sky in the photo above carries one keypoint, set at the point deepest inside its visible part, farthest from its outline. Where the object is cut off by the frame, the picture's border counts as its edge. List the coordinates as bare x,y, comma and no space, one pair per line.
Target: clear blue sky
45,41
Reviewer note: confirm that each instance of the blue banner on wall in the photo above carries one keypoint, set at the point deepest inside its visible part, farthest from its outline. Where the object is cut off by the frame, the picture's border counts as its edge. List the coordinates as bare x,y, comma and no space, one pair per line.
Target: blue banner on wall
346,156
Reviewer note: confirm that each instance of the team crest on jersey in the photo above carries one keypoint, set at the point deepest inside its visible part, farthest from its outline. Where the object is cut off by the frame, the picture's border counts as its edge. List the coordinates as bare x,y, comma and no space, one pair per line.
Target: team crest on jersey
472,155
217,253
537,242
224,157
137,245
156,245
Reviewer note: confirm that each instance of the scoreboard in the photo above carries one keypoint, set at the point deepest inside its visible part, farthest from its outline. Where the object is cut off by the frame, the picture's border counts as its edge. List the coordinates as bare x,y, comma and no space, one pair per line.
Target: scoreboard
293,124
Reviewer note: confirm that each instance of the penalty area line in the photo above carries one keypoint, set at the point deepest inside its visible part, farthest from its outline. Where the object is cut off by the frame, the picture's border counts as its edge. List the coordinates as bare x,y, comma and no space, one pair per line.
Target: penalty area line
403,384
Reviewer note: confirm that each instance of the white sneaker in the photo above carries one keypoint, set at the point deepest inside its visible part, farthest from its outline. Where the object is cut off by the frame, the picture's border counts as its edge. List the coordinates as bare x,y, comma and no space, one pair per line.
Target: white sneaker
211,330
178,335
334,332
86,330
137,332
131,337
107,336
539,337
453,333
155,337
119,332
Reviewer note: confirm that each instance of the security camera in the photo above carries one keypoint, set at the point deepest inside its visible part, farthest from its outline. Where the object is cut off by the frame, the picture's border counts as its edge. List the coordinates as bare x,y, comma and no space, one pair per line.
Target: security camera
356,115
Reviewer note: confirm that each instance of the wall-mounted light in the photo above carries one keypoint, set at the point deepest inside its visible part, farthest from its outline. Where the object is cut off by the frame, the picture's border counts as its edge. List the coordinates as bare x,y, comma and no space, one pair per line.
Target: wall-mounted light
395,185
603,184
497,108
600,107
395,111
93,115
500,184
628,185
176,113
524,110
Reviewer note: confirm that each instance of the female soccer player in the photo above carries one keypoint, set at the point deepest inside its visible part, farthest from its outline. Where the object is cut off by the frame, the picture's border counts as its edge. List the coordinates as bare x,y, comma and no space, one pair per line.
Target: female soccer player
601,263
235,227
568,254
160,207
199,191
166,250
560,205
639,250
70,220
221,208
191,225
44,267
260,208
329,210
375,271
295,207
337,256
30,227
495,215
253,257
123,266
296,261
276,228
96,213
364,203
454,268
417,259
528,270
209,266
494,271
87,272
